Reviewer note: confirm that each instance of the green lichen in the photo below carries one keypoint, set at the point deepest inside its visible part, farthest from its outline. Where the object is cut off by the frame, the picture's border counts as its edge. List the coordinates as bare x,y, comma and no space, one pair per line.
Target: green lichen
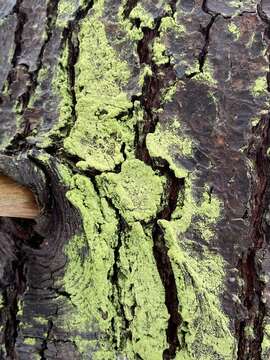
136,191
167,94
40,320
91,262
206,75
100,224
103,124
91,259
234,29
146,19
142,296
241,5
104,127
169,23
200,280
65,9
206,211
164,143
205,331
146,71
259,87
159,53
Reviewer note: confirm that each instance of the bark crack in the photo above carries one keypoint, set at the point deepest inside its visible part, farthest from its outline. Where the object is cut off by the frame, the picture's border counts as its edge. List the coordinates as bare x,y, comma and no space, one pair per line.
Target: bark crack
150,100
249,348
44,345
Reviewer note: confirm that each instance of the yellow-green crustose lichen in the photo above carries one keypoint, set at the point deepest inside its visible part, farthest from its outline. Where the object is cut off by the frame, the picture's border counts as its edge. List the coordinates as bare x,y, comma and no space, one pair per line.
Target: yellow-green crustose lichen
169,142
168,23
199,274
260,86
206,211
205,75
132,32
136,191
102,124
140,285
200,278
87,278
134,302
87,275
29,341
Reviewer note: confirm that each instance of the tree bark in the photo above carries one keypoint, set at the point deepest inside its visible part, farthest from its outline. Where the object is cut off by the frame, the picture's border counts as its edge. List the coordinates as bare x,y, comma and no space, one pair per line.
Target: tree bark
142,128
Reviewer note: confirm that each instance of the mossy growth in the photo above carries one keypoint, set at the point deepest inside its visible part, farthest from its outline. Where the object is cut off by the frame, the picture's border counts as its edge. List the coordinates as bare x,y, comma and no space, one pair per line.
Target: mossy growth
103,124
169,23
146,18
168,143
249,332
206,75
136,191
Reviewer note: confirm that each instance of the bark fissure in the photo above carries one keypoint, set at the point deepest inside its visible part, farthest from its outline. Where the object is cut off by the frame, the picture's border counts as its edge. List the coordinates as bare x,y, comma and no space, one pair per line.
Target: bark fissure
151,99
206,32
249,347
44,345
164,265
129,6
250,265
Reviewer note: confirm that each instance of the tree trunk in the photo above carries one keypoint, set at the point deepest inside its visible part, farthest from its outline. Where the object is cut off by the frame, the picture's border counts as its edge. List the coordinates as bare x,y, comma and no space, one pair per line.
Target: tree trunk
142,128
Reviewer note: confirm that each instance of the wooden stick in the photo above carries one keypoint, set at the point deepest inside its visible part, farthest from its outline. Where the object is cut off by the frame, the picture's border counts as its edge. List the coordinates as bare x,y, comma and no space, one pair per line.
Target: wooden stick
16,200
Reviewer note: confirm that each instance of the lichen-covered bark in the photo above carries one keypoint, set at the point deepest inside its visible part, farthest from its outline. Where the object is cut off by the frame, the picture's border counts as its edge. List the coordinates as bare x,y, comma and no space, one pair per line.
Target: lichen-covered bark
143,129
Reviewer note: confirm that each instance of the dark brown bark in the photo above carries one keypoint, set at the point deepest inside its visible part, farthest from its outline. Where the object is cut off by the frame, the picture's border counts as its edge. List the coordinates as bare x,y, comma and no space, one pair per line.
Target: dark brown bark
198,120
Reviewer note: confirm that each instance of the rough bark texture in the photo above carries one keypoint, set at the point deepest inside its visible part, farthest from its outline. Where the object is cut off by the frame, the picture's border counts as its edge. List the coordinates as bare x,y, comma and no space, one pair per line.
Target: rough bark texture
142,127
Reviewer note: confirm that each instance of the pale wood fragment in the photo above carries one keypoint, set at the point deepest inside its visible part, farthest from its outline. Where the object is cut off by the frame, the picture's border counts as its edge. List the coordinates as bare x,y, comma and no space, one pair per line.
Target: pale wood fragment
16,200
